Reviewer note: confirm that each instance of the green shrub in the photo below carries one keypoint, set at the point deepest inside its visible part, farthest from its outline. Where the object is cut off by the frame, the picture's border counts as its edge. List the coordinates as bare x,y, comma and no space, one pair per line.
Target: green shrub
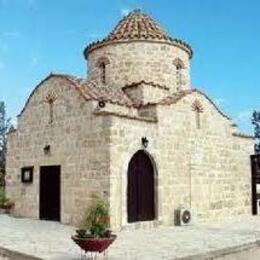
96,221
2,178
2,195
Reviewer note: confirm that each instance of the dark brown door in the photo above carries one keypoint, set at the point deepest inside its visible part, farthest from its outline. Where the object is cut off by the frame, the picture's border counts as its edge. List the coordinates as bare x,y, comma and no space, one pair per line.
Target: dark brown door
140,188
50,193
255,162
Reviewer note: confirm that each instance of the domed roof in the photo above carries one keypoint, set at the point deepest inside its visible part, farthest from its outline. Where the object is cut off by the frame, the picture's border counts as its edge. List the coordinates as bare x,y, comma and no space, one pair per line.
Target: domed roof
137,26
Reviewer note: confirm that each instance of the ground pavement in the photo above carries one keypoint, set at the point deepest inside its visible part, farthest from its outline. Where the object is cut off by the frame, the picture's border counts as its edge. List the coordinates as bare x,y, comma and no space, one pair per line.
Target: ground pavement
51,240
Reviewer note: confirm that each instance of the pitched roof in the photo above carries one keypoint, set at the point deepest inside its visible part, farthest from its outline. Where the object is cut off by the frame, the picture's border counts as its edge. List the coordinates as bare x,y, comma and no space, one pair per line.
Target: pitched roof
150,83
92,91
174,98
138,26
89,90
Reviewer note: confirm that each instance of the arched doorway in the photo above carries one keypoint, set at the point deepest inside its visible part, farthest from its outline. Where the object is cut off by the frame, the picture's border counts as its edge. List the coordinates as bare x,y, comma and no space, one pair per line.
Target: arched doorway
140,188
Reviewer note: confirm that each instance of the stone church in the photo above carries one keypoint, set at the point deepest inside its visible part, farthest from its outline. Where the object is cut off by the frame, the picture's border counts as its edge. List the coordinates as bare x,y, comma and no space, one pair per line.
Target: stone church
132,132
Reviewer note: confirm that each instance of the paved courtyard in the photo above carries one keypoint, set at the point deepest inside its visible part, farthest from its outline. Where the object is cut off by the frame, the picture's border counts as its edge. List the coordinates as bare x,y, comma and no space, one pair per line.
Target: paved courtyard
50,240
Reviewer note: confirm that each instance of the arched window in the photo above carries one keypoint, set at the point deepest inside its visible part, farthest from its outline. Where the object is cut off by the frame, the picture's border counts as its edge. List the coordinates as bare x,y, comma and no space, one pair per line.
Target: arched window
179,66
103,72
50,99
198,109
102,65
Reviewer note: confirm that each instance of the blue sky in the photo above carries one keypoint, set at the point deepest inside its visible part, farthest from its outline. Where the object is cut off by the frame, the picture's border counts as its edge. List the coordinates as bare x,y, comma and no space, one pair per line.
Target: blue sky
42,36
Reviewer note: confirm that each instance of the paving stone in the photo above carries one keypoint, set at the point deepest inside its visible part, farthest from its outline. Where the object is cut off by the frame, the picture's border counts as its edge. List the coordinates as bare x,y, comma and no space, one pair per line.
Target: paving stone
51,240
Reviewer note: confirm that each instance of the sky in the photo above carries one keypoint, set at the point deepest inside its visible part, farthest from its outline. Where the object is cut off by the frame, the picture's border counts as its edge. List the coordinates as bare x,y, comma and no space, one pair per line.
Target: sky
38,37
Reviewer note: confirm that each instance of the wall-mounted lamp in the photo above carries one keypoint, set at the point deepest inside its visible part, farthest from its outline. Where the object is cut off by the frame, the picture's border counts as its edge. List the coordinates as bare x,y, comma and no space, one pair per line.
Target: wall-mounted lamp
47,149
145,142
101,104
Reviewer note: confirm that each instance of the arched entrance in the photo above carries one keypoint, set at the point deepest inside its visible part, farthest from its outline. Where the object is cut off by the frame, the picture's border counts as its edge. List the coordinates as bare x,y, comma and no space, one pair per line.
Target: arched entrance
140,188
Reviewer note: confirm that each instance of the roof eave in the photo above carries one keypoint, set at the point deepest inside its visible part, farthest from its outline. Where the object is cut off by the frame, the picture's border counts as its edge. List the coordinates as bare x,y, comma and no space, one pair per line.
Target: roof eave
175,42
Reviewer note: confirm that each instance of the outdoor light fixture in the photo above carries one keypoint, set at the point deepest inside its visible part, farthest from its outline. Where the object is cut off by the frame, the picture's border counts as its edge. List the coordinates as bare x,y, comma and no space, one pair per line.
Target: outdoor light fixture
47,149
145,142
101,104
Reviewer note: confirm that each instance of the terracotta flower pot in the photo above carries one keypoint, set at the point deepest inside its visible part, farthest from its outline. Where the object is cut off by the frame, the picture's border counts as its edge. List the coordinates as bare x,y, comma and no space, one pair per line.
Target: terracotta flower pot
94,244
6,207
3,211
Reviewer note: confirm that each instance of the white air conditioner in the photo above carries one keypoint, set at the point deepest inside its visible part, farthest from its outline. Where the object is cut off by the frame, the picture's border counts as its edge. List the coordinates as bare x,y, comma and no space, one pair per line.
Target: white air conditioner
184,217
258,206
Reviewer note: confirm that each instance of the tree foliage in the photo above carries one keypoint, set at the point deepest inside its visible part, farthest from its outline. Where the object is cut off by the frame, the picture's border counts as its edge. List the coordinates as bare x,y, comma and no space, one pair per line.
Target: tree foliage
256,124
4,127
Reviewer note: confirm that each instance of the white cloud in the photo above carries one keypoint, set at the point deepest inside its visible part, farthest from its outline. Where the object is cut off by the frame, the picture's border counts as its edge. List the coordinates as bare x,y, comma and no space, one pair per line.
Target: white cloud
6,38
12,34
30,3
2,65
244,120
125,11
220,101
4,2
35,61
95,35
14,122
245,115
3,48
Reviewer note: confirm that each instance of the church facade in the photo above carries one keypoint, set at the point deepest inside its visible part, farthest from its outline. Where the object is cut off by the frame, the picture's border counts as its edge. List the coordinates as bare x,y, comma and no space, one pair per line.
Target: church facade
133,132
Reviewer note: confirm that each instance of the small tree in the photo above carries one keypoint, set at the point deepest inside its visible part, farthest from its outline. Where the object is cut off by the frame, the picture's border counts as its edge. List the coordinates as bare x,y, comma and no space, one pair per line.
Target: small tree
256,123
4,127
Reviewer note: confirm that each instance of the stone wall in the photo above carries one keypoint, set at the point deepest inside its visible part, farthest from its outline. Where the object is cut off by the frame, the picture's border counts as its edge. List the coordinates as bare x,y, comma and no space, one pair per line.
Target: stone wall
125,139
207,169
203,166
79,143
137,61
146,93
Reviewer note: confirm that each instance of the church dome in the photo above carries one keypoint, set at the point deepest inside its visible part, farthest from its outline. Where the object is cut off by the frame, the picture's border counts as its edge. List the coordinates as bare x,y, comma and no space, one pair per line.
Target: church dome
137,26
139,50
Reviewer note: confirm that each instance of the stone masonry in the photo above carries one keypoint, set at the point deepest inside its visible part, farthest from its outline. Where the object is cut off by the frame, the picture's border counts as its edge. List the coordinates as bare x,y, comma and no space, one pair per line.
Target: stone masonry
138,85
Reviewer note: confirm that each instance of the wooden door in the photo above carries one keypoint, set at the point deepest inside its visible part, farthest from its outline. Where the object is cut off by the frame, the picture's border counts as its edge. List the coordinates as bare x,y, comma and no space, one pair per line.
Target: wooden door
50,193
140,188
255,162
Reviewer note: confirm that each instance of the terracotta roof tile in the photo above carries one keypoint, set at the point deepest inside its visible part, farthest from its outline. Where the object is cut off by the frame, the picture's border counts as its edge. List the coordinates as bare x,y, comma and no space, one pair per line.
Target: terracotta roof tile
242,135
174,98
137,26
135,84
89,90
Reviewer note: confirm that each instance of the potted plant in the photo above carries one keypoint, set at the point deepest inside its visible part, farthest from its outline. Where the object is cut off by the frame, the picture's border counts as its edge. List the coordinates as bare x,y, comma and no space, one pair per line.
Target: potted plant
94,235
6,204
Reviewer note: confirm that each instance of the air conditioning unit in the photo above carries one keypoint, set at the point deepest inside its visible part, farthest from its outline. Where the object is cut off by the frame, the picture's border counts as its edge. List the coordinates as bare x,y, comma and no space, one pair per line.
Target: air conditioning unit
184,217
258,206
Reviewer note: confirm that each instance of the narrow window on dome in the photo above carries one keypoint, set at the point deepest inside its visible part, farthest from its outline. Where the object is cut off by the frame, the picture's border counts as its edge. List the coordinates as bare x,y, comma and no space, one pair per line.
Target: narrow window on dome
103,72
179,66
102,67
179,76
